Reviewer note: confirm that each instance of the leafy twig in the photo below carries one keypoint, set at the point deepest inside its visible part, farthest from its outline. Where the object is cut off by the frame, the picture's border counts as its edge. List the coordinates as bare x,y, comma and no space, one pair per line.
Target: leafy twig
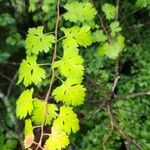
52,77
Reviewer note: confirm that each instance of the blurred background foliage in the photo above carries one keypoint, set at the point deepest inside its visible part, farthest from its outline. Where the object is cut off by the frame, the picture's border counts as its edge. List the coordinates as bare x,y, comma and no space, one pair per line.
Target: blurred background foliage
133,114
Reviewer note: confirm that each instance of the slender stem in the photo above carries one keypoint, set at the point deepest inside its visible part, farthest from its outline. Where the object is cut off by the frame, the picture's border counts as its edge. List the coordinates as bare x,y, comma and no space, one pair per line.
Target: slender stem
52,77
117,7
133,95
45,64
100,19
61,38
112,126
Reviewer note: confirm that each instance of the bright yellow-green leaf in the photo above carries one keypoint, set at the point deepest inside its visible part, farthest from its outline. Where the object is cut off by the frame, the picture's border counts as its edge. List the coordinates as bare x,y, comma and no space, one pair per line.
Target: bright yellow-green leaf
70,93
71,45
79,12
24,104
109,10
28,131
39,111
37,42
82,36
30,72
67,120
71,66
57,140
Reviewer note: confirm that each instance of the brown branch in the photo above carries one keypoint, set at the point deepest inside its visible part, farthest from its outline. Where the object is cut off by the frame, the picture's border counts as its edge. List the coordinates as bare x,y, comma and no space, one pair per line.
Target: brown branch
101,20
113,121
116,78
115,125
133,95
105,139
52,76
127,137
117,7
11,84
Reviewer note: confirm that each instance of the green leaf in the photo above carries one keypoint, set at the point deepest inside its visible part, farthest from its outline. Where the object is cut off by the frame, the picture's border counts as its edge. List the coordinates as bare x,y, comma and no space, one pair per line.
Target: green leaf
71,66
143,3
78,36
70,93
67,120
112,50
24,104
6,20
109,10
28,131
37,42
77,11
30,72
32,5
47,5
71,45
115,28
39,112
98,36
56,141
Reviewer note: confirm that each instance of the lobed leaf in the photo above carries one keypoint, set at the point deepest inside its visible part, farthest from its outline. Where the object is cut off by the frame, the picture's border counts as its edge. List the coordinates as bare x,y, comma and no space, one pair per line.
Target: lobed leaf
78,36
30,72
37,42
71,66
115,28
70,93
24,104
77,11
56,141
109,10
98,36
67,120
112,50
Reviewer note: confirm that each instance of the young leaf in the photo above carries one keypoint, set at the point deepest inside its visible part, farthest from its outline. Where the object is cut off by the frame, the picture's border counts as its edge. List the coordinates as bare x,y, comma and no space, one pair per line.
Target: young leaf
109,10
85,12
32,5
71,66
143,3
24,104
30,72
70,93
67,120
115,28
56,141
37,42
98,36
112,50
71,45
82,36
40,110
28,131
